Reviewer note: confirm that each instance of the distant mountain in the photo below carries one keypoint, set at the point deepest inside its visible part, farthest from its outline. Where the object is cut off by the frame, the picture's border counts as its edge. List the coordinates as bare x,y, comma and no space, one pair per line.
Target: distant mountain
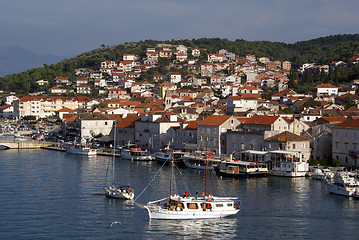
16,59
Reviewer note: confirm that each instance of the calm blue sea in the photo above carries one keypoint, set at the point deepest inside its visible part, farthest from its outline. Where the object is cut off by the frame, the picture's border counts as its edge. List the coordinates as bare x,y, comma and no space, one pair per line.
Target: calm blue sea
54,195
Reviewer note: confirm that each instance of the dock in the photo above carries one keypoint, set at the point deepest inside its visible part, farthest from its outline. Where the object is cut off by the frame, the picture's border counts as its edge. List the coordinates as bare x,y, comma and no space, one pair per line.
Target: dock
25,144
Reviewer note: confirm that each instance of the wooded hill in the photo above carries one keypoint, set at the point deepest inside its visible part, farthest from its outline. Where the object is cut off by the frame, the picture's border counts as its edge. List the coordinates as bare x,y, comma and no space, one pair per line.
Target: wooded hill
322,50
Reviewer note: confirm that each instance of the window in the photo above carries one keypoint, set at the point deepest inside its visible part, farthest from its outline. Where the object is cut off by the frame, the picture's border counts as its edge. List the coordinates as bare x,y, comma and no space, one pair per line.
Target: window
293,146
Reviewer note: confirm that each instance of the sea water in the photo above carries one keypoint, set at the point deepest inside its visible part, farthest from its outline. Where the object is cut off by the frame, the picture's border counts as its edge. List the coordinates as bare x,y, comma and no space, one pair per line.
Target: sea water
54,195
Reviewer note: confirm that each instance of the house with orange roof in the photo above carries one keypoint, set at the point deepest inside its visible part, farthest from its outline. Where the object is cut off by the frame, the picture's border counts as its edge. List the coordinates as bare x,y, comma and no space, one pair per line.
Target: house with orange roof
45,106
157,77
353,60
326,88
266,123
151,130
211,132
126,130
345,143
291,142
7,111
184,136
60,113
57,90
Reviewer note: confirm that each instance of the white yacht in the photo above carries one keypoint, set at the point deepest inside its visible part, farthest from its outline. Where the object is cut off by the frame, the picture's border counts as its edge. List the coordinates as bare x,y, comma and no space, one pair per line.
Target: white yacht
183,207
344,185
176,207
322,174
80,149
134,153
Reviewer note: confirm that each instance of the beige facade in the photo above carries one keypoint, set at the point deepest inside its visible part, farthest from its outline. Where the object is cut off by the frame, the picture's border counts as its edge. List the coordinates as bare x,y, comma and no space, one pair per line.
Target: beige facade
93,125
42,107
211,132
345,142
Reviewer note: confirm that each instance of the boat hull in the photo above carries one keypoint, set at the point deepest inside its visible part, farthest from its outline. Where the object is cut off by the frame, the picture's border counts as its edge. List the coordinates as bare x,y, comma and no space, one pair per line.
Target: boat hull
84,151
157,213
118,194
223,173
135,158
287,173
177,215
332,188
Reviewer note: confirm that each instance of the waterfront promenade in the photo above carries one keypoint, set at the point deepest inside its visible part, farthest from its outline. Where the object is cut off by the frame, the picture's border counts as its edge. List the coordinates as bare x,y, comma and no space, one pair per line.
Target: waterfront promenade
24,144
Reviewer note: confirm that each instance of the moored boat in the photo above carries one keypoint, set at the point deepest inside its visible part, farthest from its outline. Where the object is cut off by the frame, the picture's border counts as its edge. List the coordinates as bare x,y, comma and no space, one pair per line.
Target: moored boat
176,207
201,161
183,207
170,155
344,185
237,168
134,153
80,149
114,190
287,164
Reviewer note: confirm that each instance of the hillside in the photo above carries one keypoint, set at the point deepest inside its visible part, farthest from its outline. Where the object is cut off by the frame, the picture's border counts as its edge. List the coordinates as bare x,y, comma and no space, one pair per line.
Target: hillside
322,50
17,60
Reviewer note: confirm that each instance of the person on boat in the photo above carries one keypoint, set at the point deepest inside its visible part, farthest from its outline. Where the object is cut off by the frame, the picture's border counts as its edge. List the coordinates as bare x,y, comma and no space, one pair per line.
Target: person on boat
196,194
185,194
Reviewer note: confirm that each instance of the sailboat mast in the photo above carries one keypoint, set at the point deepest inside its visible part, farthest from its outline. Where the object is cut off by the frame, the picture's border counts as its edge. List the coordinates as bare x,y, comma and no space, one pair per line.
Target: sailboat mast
113,155
171,172
205,175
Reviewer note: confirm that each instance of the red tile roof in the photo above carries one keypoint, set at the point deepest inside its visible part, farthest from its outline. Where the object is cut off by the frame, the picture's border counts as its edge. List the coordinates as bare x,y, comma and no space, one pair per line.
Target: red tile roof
351,123
128,122
214,120
261,120
326,86
286,137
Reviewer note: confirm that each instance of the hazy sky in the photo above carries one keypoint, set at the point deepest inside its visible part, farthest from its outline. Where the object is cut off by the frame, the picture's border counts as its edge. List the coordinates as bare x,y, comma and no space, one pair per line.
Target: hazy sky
66,27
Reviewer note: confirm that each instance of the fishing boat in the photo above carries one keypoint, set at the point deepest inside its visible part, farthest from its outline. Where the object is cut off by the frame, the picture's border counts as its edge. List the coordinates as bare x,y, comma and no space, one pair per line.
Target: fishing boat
80,149
177,207
237,168
114,190
135,153
201,161
344,185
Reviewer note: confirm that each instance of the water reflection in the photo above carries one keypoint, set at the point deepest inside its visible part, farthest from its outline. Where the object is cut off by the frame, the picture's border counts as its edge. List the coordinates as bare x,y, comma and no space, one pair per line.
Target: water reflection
222,228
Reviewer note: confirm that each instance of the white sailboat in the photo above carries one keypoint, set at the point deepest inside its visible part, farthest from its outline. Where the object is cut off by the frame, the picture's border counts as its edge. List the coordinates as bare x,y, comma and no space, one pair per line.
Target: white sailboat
113,190
175,207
